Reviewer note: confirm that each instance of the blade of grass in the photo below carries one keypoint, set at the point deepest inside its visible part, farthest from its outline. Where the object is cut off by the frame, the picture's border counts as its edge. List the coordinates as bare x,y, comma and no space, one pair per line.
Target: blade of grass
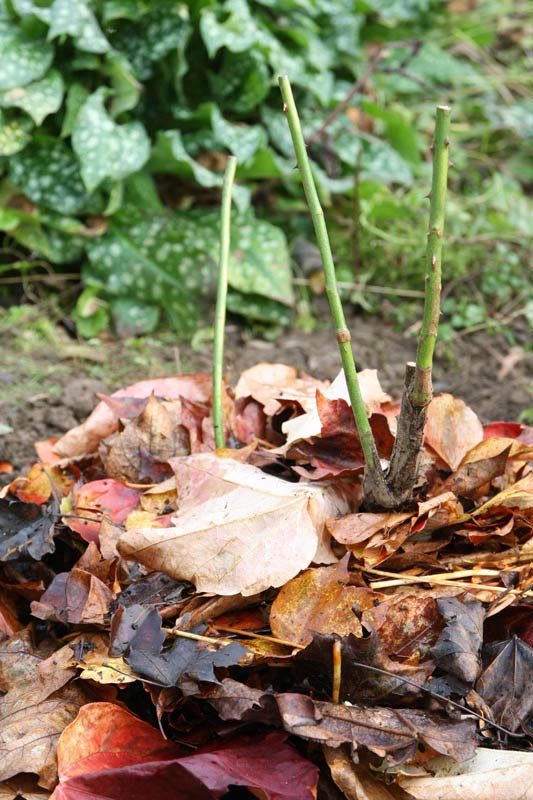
222,292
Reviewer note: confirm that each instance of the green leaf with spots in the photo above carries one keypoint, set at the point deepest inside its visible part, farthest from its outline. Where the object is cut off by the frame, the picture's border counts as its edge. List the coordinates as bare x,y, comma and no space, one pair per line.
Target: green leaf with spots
49,175
170,156
228,25
147,39
242,81
38,99
131,318
259,259
22,59
241,140
105,149
48,242
74,18
14,134
170,261
259,309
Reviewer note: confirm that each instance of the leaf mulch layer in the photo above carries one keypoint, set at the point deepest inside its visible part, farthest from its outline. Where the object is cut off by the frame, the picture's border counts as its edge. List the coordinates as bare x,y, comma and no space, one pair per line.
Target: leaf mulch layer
184,622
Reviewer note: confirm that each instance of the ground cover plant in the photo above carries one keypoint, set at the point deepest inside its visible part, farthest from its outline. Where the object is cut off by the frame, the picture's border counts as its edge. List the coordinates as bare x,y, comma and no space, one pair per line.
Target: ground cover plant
252,603
165,92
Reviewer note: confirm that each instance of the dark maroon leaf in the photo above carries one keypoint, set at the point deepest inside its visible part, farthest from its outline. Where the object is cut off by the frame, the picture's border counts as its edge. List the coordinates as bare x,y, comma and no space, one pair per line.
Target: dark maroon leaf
458,648
505,683
138,628
264,763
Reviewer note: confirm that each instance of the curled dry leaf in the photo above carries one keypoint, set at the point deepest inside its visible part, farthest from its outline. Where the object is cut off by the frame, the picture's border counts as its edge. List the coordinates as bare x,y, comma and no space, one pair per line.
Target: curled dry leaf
103,421
269,383
356,781
458,648
452,429
238,530
394,734
309,424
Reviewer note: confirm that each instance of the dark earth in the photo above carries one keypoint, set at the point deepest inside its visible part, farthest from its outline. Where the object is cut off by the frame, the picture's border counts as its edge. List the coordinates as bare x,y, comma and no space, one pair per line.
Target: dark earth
47,387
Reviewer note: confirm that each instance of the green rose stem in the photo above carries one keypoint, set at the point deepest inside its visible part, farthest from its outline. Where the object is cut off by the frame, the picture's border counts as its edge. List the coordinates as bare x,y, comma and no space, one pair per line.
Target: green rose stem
222,292
374,475
417,394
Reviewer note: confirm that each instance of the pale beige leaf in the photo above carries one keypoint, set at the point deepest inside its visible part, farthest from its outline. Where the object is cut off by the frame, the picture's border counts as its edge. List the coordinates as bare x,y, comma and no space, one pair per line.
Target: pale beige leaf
238,530
452,429
490,775
268,383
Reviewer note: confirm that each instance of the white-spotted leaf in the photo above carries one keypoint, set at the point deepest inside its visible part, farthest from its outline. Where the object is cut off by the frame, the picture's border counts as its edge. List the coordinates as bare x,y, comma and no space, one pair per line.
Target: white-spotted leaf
75,18
105,149
22,59
38,99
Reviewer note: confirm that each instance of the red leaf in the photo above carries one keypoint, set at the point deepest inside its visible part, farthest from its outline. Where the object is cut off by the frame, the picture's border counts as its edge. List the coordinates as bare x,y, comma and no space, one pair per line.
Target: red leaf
107,752
507,430
97,498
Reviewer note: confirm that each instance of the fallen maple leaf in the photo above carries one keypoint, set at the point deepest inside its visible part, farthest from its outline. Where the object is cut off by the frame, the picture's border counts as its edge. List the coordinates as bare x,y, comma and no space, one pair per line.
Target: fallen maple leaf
452,429
109,752
505,683
238,530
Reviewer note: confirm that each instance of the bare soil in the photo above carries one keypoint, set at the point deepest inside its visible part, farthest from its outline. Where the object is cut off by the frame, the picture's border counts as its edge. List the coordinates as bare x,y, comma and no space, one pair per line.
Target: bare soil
47,387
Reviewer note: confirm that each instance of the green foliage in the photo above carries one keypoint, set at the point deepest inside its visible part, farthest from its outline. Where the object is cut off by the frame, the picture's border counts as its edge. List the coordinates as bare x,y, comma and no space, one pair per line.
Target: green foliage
116,117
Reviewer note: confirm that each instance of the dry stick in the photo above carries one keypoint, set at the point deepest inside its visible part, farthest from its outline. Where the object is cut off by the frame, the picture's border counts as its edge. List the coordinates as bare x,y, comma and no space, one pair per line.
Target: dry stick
417,393
373,471
222,291
337,671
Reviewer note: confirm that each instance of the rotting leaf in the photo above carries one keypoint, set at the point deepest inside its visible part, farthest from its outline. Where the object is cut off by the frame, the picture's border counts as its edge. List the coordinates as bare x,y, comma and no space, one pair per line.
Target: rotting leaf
506,680
38,705
458,648
394,734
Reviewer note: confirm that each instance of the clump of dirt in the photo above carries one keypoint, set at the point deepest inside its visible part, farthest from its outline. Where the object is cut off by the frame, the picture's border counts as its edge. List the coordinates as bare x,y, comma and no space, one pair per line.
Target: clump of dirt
492,376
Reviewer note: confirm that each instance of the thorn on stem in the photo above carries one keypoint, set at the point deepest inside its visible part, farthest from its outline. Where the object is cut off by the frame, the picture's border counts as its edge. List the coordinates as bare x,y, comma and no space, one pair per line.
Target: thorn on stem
451,164
447,141
285,107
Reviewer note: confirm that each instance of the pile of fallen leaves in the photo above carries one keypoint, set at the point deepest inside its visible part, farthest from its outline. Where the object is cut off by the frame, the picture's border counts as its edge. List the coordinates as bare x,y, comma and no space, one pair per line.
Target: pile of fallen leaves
189,623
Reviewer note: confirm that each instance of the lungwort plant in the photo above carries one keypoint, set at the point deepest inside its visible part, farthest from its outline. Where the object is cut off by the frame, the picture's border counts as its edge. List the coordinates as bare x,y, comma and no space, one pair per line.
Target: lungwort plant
117,117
